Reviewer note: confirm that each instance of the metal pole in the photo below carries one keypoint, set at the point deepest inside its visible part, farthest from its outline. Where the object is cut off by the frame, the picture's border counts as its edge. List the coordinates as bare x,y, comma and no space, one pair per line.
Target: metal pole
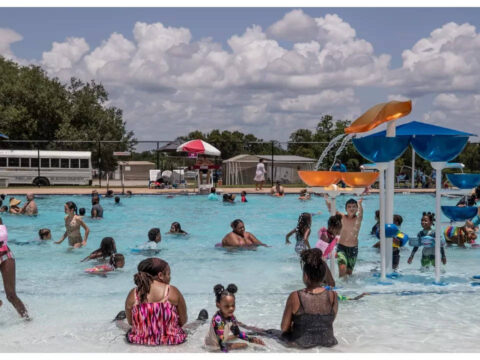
438,217
122,167
272,161
383,246
38,157
390,190
158,156
333,211
413,169
99,164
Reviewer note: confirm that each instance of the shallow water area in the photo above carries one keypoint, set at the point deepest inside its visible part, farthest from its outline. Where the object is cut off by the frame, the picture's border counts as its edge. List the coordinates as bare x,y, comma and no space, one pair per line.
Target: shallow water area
73,311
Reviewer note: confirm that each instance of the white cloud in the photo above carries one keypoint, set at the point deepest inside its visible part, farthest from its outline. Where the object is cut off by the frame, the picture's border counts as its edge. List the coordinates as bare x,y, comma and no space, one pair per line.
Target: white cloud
7,38
295,26
65,55
448,60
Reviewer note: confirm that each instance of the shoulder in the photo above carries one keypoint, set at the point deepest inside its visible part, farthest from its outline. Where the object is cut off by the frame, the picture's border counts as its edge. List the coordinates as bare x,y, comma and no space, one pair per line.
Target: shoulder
131,297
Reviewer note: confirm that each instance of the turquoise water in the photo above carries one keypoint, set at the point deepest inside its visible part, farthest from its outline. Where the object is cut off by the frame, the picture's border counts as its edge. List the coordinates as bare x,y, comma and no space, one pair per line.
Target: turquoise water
72,311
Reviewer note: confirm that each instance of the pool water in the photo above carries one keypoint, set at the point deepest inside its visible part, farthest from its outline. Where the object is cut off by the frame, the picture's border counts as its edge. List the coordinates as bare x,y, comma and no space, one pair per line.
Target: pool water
73,311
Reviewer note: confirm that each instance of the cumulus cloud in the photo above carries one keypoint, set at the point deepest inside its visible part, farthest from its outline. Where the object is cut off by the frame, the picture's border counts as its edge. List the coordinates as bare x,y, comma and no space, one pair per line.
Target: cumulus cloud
7,38
164,79
447,61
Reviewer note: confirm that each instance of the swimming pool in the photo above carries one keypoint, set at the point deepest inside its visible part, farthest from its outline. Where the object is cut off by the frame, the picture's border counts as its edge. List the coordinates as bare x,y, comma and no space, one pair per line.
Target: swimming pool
72,311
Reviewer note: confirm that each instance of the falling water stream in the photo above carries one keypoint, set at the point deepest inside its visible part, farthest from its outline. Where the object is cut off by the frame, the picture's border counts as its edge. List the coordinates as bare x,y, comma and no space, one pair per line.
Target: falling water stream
330,145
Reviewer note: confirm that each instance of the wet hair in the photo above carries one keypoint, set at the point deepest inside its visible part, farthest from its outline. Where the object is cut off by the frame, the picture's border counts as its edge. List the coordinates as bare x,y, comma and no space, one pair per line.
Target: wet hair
227,197
109,193
303,191
304,222
115,258
235,223
213,190
129,192
313,265
243,193
335,221
430,215
81,211
42,233
177,227
152,234
3,196
377,214
107,247
72,206
351,201
147,269
220,292
117,199
397,220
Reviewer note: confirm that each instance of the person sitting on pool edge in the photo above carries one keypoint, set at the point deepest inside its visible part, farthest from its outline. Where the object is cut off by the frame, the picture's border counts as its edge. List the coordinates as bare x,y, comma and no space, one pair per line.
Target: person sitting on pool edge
238,237
277,189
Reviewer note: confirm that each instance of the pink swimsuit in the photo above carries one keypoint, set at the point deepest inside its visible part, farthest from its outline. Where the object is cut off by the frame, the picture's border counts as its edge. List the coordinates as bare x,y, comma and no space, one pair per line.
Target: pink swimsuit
5,252
326,247
155,323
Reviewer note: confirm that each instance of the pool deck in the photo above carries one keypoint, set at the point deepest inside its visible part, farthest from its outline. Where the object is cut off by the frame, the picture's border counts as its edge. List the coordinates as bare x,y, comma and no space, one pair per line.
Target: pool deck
136,190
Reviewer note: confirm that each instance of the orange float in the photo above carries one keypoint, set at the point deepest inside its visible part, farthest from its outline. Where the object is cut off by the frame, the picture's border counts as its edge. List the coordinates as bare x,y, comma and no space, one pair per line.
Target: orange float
378,115
359,179
319,178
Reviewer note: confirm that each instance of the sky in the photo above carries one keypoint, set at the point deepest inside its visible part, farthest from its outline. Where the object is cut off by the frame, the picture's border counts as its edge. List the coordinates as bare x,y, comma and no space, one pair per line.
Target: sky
266,71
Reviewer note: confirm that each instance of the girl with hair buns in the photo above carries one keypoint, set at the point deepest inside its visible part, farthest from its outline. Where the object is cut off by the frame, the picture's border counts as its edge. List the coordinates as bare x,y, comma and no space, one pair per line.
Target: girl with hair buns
155,309
224,322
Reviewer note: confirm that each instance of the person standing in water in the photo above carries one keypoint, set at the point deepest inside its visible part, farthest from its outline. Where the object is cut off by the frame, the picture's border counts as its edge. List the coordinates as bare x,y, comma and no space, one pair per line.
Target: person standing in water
347,247
73,222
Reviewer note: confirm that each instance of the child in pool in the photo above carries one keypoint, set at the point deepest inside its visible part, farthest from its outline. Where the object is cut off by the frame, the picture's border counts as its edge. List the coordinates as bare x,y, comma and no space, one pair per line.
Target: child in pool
107,249
397,243
117,261
328,237
304,195
302,232
224,322
176,229
81,211
428,253
376,227
460,235
44,234
244,196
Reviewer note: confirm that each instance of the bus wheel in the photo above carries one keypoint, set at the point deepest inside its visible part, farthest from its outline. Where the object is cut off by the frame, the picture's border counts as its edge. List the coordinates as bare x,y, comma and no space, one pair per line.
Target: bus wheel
41,181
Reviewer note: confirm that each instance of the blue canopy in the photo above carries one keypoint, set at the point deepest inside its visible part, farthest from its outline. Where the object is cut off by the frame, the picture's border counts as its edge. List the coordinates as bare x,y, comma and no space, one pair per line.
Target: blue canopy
3,136
419,128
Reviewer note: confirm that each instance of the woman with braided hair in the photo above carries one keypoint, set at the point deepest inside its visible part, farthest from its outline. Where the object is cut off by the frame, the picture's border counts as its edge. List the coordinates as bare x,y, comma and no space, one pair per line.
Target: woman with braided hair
155,309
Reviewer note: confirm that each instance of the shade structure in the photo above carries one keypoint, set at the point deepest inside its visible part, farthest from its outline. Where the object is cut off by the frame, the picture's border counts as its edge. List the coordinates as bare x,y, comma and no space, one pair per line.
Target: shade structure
419,128
319,178
3,136
199,147
378,115
464,181
439,148
460,213
381,149
359,179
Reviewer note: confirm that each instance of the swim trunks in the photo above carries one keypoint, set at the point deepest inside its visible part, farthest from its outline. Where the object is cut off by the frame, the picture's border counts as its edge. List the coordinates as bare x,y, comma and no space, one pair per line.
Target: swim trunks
428,260
347,255
396,257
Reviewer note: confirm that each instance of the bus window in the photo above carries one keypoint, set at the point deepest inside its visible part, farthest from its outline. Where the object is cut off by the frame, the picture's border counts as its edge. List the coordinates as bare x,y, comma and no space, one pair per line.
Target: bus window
3,162
24,162
13,162
34,162
84,163
64,163
74,163
55,163
45,163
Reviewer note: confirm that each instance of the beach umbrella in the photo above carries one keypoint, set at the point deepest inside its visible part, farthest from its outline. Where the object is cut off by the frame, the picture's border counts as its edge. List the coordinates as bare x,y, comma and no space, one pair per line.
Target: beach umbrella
199,147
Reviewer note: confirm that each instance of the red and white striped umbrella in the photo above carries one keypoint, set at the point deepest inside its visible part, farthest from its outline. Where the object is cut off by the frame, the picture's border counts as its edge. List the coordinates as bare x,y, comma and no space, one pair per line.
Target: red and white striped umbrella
199,147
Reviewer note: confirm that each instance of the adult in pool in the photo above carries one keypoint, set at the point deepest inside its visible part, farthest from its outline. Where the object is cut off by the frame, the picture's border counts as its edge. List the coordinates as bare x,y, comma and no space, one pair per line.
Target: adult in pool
310,312
238,237
73,222
155,309
7,269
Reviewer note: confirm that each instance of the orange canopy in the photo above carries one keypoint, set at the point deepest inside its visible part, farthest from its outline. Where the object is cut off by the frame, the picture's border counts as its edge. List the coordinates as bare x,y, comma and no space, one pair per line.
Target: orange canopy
319,178
359,179
380,114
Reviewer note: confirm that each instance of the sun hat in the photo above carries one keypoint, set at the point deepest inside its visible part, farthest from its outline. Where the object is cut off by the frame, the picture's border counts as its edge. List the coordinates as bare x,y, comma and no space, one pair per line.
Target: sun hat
14,202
